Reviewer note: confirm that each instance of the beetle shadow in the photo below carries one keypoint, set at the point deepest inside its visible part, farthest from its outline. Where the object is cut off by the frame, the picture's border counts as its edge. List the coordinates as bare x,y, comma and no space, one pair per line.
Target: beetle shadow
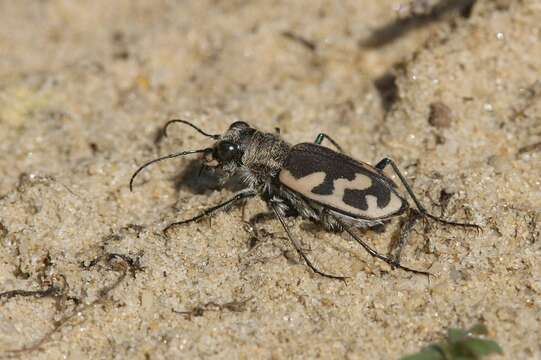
401,27
201,181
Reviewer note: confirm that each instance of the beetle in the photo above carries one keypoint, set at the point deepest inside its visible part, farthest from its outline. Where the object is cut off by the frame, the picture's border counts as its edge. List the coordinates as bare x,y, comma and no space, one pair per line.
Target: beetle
307,180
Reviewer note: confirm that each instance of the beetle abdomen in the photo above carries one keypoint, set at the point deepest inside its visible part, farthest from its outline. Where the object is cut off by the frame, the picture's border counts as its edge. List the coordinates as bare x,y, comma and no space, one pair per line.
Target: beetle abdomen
341,183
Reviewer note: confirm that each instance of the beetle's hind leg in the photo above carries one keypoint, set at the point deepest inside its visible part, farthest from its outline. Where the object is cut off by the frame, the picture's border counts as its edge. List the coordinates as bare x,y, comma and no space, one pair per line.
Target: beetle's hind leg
386,161
244,194
389,260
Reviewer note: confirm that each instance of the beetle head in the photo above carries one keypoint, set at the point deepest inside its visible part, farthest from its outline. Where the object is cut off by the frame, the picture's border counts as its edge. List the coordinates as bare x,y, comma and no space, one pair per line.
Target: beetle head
228,150
225,154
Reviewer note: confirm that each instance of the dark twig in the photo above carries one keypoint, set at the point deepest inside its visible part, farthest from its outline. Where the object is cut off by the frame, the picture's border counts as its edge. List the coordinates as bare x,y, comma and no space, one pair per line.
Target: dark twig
233,306
116,262
310,45
51,291
530,148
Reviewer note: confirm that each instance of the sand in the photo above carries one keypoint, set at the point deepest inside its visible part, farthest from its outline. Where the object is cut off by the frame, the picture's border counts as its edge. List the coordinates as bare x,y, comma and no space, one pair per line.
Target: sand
451,93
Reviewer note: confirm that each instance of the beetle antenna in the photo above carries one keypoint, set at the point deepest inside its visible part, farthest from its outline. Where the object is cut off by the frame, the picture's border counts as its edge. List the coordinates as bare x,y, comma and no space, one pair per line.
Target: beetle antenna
215,137
170,156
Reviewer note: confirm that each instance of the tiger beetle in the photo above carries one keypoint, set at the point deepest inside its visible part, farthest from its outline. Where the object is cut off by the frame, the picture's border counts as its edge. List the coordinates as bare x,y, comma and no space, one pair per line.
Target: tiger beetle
307,180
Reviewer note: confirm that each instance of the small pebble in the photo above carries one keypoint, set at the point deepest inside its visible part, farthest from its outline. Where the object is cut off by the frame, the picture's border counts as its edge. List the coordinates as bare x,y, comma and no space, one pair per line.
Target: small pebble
441,116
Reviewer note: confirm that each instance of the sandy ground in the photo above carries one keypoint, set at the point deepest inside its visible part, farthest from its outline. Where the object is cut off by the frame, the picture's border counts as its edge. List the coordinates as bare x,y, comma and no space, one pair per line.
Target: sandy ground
453,96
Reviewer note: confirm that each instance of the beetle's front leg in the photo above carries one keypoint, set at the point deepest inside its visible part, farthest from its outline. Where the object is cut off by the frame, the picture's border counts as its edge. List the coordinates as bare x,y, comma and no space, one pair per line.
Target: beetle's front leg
244,194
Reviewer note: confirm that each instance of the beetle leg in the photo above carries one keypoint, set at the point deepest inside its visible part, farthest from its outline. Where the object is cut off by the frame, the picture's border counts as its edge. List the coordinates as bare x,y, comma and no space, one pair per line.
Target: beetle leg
374,253
298,246
323,136
386,161
213,210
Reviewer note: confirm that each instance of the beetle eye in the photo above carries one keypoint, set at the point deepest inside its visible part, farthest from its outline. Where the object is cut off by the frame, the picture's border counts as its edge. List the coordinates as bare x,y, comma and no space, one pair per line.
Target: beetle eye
227,151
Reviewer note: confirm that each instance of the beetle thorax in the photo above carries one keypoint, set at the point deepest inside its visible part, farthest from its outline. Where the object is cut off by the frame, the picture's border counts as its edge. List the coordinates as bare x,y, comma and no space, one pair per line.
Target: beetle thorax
264,155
